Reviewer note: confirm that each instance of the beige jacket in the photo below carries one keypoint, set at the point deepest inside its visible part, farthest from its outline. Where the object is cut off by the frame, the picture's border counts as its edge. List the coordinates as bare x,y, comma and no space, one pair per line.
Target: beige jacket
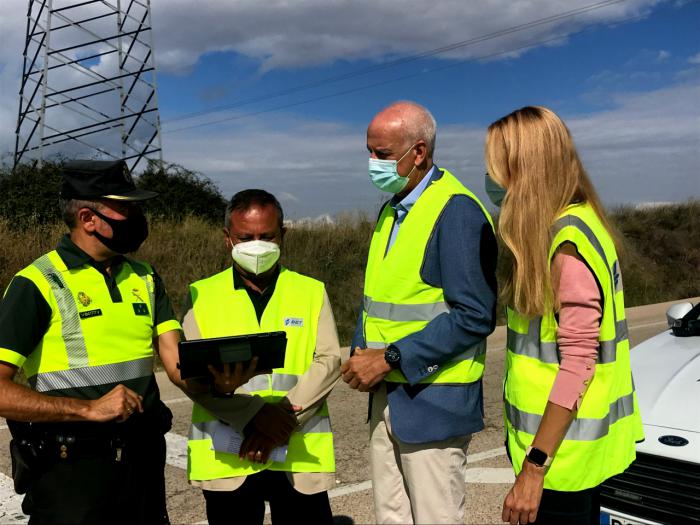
309,393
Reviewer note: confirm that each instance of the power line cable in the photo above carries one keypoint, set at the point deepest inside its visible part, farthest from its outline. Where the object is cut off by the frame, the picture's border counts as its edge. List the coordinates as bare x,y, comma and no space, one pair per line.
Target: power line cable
385,82
403,60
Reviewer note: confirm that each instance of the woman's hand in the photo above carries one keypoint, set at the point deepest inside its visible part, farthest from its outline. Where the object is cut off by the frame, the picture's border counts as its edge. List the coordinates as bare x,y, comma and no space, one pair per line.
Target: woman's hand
523,500
227,382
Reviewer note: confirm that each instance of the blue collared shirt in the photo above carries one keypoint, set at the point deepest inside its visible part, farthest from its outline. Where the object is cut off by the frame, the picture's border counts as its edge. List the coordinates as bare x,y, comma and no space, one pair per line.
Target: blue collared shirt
403,206
461,259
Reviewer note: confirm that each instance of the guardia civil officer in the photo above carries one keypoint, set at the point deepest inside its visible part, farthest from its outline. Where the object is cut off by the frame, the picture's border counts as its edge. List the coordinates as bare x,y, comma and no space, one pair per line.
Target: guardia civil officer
82,322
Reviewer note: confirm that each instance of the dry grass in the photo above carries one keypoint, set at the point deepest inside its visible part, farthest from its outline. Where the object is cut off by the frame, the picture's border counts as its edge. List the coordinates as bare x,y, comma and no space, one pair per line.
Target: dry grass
661,261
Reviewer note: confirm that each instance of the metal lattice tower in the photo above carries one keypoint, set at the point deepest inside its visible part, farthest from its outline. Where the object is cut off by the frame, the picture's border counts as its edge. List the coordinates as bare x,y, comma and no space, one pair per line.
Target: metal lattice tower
88,83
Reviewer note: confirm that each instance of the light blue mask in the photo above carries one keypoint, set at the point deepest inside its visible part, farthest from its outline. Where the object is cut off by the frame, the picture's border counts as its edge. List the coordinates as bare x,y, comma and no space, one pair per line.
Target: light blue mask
384,176
495,192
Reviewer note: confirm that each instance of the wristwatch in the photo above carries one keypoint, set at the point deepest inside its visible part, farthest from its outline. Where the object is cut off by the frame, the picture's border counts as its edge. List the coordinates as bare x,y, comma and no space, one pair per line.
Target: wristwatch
538,457
392,356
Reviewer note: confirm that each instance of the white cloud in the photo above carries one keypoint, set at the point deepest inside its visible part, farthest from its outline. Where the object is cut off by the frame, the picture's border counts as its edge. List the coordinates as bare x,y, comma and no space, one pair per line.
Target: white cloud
695,59
663,55
310,32
283,34
646,149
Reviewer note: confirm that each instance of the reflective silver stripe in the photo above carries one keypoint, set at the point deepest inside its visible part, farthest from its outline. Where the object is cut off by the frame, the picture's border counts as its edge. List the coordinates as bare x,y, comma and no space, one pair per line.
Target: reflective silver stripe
581,429
376,345
259,382
284,382
548,352
529,344
151,295
92,375
205,429
281,382
202,430
579,224
621,333
71,331
316,425
404,312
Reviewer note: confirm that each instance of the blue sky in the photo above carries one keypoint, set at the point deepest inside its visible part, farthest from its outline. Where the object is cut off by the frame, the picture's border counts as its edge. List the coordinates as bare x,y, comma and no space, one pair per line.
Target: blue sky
624,75
564,76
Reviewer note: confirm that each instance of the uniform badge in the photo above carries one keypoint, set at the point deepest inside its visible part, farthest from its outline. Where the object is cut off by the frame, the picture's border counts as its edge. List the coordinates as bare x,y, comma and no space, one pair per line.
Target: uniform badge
135,293
293,321
141,309
84,299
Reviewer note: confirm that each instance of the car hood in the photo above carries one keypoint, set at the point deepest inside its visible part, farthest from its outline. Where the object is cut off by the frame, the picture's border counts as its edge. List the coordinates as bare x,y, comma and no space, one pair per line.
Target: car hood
666,371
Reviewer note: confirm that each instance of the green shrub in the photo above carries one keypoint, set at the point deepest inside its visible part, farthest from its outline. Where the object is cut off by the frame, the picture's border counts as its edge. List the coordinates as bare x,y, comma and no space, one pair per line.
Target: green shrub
660,261
30,193
182,193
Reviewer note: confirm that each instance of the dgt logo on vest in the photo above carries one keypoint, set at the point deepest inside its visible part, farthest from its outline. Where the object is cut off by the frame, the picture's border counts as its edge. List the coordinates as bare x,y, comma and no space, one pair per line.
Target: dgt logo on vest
294,321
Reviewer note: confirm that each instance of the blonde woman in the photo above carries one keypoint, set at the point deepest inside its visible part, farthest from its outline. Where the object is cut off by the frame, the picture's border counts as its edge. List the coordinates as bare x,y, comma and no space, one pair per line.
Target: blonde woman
570,408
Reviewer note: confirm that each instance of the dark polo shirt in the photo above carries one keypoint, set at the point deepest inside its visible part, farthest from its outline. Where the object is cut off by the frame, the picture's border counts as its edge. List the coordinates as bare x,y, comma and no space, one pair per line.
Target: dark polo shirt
25,317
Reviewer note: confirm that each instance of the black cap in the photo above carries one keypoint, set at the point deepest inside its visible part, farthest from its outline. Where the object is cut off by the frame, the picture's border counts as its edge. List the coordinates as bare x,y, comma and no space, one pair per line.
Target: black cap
101,179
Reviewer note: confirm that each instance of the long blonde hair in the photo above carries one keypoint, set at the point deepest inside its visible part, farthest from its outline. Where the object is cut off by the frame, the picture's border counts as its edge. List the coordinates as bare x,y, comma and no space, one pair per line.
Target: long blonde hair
530,152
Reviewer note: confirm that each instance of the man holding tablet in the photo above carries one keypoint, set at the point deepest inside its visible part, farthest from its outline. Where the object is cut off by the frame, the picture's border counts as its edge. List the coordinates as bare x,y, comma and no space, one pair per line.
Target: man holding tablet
286,456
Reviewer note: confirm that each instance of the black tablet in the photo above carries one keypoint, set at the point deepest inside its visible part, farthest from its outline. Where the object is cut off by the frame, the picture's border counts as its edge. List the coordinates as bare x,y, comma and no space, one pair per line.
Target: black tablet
195,355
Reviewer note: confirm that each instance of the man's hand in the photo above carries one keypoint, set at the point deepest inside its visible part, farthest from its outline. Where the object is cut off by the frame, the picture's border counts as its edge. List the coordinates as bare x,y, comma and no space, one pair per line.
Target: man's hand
523,500
275,421
365,369
256,448
119,403
227,381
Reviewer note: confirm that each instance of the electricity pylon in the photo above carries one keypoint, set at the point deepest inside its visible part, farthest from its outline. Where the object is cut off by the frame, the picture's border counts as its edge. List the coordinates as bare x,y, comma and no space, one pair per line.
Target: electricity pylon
88,82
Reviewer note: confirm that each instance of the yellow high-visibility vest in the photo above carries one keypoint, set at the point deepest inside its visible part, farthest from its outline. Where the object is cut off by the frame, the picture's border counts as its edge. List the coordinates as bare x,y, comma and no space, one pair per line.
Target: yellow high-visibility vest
91,340
600,442
221,310
397,302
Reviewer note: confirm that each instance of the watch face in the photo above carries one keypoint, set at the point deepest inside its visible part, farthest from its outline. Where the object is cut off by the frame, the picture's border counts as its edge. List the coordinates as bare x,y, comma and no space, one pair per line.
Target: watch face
537,456
392,356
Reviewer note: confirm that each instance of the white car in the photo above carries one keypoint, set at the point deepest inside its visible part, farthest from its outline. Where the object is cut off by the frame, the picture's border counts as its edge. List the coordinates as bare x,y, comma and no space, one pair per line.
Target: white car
663,483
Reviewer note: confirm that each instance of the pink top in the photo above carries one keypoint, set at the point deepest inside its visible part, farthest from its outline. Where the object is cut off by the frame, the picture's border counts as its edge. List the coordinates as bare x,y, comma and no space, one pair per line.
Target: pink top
578,332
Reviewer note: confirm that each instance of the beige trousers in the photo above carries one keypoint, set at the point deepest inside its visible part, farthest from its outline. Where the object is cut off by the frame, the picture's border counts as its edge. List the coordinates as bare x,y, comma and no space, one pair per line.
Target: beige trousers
415,483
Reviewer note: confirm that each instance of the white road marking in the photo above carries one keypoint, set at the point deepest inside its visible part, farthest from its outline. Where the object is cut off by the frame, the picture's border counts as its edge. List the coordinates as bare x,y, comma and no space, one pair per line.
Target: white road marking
177,457
176,400
646,325
350,489
487,454
10,503
503,475
176,451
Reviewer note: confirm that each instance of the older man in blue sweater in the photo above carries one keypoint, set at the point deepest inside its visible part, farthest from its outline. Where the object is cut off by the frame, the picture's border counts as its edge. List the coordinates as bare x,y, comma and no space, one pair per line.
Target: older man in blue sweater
429,304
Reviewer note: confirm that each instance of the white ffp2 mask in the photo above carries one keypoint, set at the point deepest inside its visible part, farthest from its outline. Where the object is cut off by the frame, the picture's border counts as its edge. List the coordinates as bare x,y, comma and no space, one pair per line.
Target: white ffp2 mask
256,256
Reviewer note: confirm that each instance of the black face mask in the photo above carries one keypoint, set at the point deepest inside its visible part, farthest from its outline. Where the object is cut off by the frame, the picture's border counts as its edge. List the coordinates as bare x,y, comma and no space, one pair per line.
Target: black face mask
127,234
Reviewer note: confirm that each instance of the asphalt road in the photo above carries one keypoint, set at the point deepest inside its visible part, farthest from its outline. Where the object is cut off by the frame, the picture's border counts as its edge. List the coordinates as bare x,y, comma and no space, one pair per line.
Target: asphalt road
489,473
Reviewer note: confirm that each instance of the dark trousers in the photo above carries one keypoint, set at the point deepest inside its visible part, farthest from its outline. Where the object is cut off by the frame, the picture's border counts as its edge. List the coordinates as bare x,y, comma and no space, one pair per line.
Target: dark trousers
90,486
572,508
246,505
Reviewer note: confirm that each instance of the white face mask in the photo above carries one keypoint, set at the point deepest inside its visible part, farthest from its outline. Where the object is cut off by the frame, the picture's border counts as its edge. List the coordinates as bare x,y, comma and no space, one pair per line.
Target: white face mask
256,256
